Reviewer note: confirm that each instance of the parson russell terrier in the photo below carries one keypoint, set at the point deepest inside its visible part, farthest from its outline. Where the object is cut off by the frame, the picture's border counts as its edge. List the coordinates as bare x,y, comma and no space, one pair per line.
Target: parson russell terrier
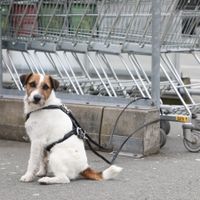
66,160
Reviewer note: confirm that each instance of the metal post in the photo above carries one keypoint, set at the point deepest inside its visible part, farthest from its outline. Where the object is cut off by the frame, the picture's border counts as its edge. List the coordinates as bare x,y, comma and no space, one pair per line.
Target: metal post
155,67
1,65
176,61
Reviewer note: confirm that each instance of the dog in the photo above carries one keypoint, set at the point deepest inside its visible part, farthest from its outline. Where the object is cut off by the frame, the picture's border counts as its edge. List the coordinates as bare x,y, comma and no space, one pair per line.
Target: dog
66,160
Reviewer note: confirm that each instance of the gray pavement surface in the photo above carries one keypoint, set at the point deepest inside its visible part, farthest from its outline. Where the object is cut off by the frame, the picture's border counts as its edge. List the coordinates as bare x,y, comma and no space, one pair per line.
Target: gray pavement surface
173,174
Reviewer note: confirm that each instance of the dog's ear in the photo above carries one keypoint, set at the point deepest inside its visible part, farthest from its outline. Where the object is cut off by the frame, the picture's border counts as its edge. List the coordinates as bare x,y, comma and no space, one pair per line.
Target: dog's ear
24,78
54,83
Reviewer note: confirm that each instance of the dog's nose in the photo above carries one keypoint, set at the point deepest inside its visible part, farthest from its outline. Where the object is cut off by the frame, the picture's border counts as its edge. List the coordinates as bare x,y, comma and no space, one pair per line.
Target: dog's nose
37,98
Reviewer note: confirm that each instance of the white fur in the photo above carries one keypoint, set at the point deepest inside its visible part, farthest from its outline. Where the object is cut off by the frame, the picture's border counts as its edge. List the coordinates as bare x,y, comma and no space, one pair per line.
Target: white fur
111,172
67,159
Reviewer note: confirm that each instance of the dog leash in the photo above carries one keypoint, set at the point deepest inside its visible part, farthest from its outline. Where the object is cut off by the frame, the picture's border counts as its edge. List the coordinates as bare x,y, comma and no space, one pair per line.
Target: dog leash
81,133
77,130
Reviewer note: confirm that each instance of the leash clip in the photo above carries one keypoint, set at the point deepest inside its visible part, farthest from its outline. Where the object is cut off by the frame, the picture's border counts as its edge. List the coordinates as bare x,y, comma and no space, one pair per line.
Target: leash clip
80,133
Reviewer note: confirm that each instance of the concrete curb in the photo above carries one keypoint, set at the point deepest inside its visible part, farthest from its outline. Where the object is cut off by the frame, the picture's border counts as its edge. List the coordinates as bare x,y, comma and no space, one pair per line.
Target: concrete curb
98,121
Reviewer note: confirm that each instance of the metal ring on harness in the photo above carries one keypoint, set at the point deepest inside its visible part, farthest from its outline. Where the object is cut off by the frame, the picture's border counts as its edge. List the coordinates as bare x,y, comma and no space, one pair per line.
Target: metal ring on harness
80,133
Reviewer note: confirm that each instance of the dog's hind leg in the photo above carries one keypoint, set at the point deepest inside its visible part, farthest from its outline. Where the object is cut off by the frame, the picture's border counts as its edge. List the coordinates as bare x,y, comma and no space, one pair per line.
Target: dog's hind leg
61,179
59,171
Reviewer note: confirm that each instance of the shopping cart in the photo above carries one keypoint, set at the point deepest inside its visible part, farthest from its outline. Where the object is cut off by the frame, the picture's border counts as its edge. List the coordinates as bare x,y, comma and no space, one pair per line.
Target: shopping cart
97,47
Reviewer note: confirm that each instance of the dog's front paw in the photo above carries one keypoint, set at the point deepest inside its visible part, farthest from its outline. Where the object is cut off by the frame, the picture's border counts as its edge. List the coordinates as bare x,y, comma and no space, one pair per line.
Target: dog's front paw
27,178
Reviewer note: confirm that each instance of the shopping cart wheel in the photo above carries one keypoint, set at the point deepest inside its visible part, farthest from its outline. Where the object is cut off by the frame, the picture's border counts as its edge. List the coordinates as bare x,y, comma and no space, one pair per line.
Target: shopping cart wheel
165,125
192,141
163,138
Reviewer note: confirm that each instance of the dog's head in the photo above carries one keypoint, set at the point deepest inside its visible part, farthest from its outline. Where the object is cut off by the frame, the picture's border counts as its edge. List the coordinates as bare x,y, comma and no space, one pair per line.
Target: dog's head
38,87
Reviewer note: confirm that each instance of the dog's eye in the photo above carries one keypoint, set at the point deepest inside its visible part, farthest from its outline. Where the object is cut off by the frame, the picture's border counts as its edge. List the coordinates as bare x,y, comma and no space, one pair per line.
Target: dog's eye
32,84
45,87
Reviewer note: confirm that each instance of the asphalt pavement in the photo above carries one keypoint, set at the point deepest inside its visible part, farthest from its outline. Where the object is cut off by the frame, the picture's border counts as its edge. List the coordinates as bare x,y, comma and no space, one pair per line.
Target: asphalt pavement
173,174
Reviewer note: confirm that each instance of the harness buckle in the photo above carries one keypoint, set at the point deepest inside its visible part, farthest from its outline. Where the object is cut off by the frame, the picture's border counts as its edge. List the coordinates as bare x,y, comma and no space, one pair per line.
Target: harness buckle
80,133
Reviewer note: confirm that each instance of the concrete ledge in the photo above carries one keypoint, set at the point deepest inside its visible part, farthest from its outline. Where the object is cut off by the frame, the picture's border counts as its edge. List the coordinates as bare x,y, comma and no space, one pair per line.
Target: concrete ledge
11,119
98,121
12,132
146,141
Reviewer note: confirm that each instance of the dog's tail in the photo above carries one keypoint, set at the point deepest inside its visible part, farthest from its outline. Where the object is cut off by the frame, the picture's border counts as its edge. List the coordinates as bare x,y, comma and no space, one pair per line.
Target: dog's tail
108,173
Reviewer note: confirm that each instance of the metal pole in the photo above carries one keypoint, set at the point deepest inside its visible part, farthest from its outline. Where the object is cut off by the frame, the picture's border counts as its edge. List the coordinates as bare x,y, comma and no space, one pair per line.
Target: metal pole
177,63
1,65
155,67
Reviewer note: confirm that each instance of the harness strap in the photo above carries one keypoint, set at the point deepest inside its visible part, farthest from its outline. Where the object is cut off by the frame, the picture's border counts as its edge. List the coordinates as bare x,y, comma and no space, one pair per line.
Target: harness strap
96,153
76,131
66,136
92,141
27,116
61,107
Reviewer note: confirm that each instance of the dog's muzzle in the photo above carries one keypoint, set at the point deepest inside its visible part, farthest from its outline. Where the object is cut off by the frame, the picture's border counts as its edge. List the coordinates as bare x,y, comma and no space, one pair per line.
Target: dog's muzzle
37,98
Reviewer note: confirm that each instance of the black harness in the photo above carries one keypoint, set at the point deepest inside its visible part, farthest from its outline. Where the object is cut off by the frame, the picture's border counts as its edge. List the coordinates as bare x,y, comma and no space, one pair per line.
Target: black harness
77,130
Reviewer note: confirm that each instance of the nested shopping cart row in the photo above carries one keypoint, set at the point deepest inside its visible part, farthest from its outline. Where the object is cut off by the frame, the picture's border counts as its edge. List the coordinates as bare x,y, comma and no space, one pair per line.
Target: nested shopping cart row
96,25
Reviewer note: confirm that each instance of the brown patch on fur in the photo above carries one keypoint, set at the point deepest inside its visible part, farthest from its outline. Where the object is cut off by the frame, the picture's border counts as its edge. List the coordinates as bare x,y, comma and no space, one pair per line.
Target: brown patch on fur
32,83
24,78
45,87
91,174
54,83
